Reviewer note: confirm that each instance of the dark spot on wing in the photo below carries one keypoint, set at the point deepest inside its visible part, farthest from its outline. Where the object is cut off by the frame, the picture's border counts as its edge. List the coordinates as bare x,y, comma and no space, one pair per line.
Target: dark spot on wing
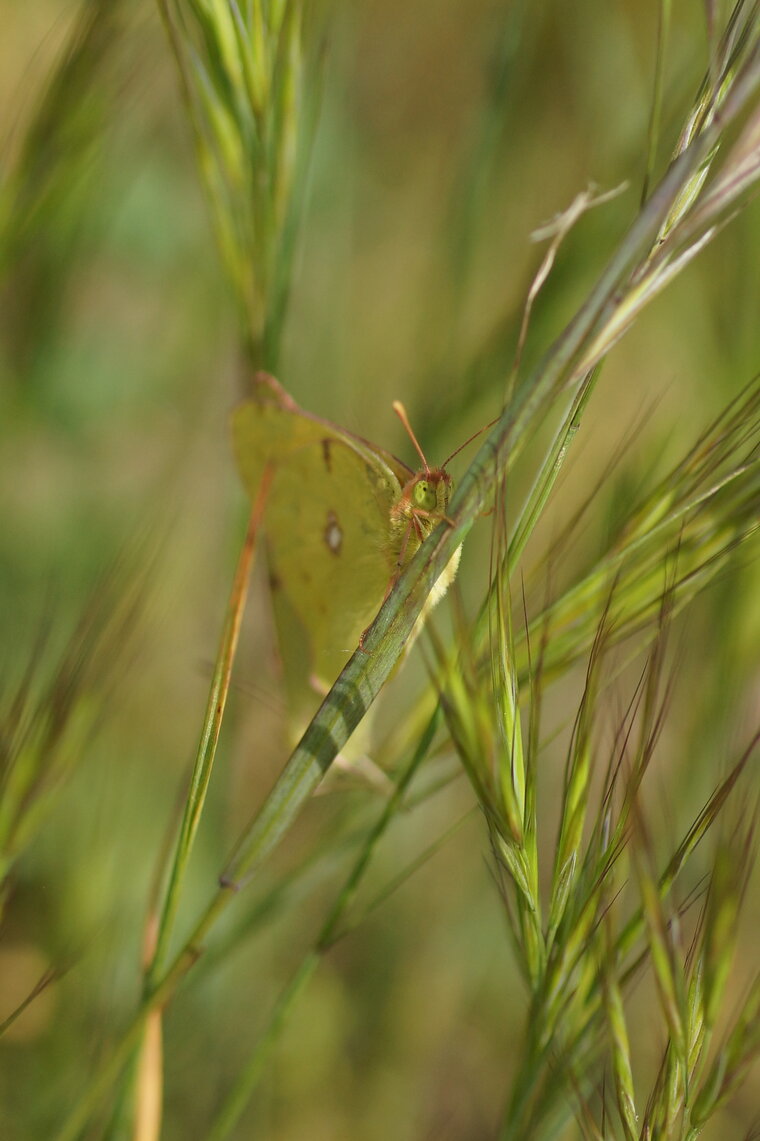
275,582
327,454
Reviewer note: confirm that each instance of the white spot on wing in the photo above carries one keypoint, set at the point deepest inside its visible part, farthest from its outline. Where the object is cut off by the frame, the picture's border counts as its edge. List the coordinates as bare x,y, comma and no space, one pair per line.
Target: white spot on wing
333,533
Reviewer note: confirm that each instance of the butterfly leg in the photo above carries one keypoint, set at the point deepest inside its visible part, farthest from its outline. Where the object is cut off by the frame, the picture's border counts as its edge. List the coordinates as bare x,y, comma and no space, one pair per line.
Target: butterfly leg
420,511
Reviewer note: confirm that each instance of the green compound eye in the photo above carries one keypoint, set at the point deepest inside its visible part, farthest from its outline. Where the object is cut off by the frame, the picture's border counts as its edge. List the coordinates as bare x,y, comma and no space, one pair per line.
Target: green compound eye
425,496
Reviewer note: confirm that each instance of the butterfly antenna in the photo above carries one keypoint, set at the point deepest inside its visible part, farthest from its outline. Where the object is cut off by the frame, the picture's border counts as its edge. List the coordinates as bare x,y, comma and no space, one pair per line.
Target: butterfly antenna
469,440
400,411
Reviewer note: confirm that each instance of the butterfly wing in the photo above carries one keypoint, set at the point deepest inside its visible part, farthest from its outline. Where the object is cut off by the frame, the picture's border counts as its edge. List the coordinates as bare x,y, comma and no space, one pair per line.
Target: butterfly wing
326,517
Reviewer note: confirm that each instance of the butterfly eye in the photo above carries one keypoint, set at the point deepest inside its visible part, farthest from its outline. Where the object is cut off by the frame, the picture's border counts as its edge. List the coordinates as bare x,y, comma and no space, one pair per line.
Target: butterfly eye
424,495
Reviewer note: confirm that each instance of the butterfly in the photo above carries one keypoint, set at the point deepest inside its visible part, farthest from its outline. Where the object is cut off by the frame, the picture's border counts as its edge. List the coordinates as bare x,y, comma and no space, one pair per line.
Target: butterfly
342,518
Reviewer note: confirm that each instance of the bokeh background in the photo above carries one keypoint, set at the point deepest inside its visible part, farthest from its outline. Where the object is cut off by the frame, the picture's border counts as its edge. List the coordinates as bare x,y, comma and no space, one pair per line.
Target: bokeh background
449,131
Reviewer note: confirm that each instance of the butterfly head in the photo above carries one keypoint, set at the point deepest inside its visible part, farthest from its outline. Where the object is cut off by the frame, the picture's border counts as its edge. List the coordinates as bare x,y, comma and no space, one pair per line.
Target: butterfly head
430,491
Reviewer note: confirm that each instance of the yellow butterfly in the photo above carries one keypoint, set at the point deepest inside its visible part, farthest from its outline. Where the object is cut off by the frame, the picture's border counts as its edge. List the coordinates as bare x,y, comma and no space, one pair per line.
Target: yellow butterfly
342,518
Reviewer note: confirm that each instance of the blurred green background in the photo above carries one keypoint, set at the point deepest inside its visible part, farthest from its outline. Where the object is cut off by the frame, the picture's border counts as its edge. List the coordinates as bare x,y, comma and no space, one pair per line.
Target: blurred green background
448,132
